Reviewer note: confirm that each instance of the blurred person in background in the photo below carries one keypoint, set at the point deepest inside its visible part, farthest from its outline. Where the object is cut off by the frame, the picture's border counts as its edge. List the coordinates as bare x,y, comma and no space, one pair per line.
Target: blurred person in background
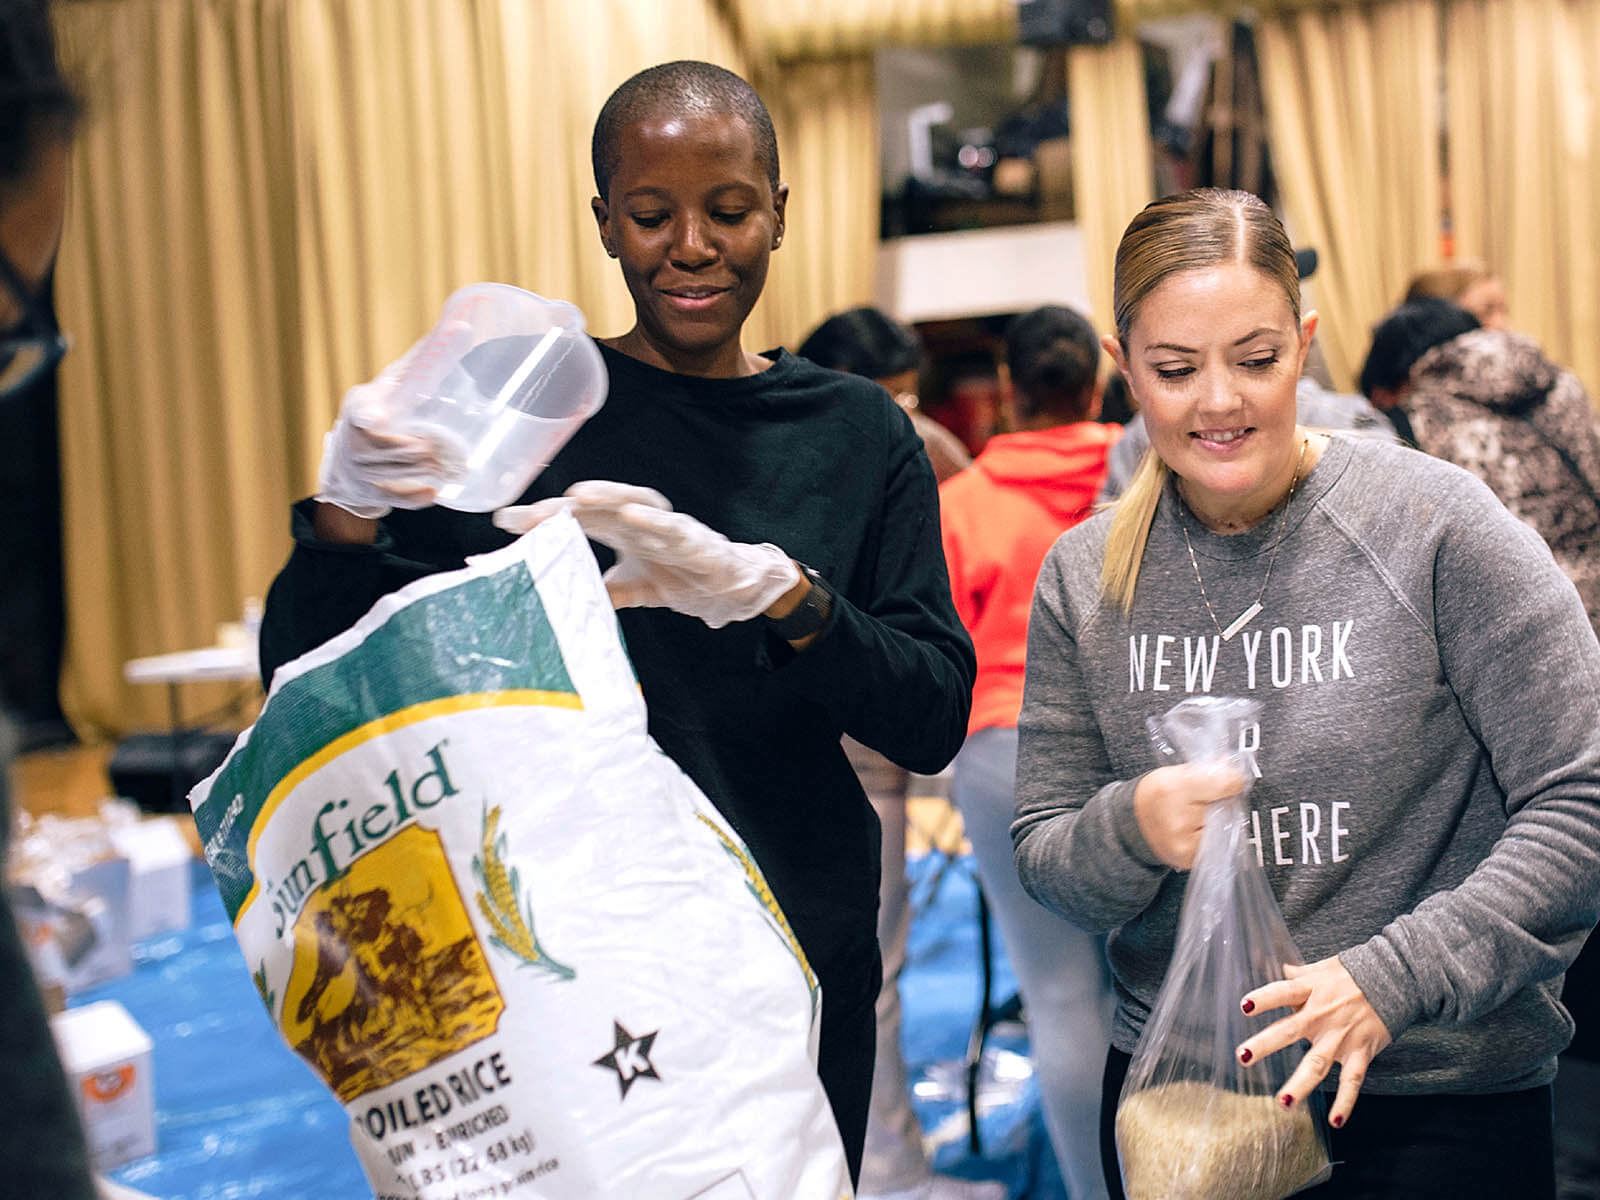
1490,401
42,1150
968,393
999,519
1403,336
1472,285
1319,407
867,341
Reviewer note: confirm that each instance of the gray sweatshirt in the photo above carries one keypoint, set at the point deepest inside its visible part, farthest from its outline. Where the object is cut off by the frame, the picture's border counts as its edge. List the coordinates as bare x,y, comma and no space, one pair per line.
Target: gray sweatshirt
1429,751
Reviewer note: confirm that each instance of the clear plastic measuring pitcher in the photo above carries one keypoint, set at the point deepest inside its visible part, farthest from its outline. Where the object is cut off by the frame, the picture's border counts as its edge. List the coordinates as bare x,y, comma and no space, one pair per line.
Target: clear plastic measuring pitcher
499,385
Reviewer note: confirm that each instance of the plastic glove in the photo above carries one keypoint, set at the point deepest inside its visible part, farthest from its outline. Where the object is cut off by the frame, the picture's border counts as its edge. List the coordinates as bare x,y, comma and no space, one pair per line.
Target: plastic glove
367,466
666,559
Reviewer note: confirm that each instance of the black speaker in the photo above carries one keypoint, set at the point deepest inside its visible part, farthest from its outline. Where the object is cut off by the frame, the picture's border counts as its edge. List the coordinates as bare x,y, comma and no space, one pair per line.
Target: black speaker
1064,22
156,770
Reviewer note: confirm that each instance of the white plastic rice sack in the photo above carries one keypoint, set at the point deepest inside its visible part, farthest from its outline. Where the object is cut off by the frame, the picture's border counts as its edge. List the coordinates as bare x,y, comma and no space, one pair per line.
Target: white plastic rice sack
523,949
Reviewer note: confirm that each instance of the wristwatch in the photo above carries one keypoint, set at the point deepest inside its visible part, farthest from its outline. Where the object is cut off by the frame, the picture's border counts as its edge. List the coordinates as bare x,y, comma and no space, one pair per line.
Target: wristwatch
810,615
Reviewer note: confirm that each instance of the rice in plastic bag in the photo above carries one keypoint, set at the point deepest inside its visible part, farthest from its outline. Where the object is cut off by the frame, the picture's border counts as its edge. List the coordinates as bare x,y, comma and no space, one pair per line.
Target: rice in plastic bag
1193,1122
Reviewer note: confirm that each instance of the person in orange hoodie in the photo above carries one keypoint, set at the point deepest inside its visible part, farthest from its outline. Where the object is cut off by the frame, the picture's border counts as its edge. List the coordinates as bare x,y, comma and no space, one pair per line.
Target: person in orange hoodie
999,518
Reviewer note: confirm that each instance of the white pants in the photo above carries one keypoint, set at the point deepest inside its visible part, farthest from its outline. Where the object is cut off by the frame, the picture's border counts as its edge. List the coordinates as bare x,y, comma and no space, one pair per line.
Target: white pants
893,1158
1061,970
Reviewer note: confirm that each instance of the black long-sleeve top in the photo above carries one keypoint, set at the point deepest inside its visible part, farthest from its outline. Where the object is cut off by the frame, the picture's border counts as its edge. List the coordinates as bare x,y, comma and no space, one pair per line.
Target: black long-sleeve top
826,467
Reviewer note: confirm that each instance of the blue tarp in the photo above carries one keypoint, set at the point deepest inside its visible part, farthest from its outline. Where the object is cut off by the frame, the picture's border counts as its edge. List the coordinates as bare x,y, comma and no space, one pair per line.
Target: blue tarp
239,1115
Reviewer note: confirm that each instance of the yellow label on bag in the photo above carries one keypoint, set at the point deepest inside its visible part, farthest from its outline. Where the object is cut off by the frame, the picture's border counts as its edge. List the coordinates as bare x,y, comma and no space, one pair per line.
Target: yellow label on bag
388,976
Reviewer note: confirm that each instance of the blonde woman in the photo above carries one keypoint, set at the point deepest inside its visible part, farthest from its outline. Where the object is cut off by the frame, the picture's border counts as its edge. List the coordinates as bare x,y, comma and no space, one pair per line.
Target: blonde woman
1472,285
1428,812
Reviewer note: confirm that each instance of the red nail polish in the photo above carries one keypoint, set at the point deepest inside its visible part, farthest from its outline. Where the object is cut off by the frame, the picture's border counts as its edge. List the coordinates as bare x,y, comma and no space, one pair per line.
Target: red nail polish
1288,1101
1338,1122
1249,1006
1245,1055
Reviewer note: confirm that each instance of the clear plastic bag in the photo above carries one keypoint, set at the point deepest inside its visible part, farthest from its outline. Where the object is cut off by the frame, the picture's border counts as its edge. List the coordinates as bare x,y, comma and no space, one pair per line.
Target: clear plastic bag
1192,1121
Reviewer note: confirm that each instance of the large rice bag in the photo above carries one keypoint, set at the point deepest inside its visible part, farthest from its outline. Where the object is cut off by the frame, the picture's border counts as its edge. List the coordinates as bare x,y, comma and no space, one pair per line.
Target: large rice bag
519,944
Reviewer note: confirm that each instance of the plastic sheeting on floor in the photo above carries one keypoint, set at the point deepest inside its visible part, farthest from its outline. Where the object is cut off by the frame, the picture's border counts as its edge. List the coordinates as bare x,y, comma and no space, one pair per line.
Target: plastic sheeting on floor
239,1115
940,990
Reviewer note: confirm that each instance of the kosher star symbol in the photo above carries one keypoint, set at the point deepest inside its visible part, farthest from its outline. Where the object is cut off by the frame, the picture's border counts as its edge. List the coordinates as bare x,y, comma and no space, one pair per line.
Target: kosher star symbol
629,1057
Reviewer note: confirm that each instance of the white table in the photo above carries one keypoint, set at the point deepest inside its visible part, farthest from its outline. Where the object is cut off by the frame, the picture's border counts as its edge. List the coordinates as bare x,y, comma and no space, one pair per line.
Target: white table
210,664
194,666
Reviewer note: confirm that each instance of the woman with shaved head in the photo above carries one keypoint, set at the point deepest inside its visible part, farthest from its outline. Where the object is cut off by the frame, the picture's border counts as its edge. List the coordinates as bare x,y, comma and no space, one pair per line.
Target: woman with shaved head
770,531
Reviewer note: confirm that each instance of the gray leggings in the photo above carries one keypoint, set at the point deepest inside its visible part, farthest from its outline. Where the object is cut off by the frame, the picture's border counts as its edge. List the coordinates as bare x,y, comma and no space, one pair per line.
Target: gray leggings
1062,971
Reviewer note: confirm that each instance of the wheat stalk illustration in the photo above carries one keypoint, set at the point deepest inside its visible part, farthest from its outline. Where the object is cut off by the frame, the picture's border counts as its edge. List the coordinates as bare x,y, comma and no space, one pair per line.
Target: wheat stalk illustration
498,901
268,996
757,883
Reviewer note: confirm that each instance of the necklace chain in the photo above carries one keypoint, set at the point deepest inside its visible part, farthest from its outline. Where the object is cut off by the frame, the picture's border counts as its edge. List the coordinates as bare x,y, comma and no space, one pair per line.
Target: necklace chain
1250,613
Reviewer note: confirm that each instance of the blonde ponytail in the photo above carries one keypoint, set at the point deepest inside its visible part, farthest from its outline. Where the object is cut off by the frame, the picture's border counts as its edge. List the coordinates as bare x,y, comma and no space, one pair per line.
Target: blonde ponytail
1130,530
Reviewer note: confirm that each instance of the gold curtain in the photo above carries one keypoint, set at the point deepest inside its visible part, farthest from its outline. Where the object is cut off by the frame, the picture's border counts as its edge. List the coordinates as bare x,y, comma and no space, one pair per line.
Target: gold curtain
1112,159
841,28
177,281
272,198
1352,104
826,116
1522,89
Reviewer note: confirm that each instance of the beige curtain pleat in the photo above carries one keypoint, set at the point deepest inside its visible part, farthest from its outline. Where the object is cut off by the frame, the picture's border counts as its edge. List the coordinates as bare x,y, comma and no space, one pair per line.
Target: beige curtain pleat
176,281
1523,102
825,112
1112,159
1353,117
1476,131
843,28
395,184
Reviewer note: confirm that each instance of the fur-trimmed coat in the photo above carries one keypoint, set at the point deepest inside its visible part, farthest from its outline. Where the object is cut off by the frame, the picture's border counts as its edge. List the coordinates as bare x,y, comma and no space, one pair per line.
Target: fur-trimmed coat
1491,402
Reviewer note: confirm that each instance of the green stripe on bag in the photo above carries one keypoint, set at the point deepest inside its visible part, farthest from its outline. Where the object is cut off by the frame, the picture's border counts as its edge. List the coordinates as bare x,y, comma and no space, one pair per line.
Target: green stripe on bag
484,636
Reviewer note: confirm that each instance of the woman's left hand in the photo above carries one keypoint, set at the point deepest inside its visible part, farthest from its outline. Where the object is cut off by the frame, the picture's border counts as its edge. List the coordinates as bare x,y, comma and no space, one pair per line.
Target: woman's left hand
668,559
1332,1013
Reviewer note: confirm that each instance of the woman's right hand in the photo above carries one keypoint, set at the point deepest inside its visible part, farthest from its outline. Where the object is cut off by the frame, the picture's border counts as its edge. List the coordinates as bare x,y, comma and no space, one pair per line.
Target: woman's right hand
368,465
1170,805
368,468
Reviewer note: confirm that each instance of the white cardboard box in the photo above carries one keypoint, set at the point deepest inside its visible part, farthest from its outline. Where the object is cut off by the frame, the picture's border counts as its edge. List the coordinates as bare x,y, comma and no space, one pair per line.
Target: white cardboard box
158,886
86,944
107,1059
